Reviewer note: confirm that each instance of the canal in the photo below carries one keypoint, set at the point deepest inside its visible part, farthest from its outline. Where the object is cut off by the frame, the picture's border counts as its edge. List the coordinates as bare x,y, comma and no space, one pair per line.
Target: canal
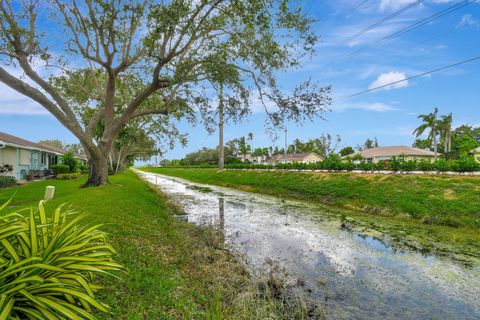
350,274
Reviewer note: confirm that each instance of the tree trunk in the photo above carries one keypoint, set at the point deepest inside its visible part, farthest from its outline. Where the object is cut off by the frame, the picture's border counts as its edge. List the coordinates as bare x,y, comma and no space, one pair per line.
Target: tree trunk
98,172
221,149
449,148
110,160
117,167
435,149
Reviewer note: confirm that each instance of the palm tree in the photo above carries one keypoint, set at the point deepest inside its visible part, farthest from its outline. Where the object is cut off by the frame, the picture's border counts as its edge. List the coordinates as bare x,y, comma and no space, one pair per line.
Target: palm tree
446,132
431,122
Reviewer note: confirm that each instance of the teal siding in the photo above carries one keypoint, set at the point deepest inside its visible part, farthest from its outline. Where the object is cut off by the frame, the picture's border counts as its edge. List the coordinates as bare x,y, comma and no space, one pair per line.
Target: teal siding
35,163
34,160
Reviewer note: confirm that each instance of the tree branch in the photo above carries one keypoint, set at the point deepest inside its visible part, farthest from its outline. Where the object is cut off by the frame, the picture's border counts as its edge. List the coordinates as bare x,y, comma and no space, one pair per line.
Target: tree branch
164,112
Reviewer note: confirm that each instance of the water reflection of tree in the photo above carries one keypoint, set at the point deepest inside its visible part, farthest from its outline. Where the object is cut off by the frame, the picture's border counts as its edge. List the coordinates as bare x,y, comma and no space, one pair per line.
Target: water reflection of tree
221,213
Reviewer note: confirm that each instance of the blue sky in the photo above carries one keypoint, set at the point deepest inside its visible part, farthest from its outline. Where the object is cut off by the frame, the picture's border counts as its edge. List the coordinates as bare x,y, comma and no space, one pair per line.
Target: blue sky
389,114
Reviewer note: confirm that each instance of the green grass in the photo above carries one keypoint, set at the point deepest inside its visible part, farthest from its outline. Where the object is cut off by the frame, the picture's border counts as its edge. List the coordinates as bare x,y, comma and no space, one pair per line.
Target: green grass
176,270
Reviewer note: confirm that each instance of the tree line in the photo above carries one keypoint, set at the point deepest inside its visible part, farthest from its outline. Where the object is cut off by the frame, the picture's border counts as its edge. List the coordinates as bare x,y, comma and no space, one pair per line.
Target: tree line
442,139
435,133
120,65
241,149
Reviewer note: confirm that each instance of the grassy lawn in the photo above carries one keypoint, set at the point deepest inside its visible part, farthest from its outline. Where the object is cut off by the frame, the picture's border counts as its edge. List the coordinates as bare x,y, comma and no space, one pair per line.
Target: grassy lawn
176,270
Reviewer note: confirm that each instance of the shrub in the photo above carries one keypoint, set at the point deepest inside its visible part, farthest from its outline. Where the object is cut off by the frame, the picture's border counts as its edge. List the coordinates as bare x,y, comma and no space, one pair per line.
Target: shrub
424,165
48,263
60,168
381,165
349,166
466,164
395,164
68,176
84,168
7,181
442,165
69,160
409,165
333,163
6,168
366,166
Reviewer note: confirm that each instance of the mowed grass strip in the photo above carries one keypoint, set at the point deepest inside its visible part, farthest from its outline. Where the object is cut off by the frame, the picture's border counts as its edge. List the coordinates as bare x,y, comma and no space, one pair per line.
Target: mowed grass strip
176,270
438,200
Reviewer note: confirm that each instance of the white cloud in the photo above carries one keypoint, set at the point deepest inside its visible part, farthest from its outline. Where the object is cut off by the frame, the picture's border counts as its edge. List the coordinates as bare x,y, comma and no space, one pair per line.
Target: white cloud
12,102
376,107
398,4
394,4
468,21
21,107
340,35
389,77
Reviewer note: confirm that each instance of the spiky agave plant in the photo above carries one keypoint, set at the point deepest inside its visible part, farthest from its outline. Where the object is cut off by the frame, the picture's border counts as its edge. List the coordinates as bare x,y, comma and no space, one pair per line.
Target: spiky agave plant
47,264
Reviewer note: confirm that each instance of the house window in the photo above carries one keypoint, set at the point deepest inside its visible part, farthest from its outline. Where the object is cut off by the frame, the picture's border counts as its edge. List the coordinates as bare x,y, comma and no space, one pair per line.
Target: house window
43,158
369,160
52,160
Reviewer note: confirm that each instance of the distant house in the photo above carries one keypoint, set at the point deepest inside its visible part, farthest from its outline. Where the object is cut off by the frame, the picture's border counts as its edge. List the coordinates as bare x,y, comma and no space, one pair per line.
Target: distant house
308,157
476,154
25,155
250,158
386,153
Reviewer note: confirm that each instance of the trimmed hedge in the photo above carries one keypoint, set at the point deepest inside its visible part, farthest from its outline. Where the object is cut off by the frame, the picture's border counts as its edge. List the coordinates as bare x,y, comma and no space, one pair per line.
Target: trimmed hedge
84,169
7,181
60,168
399,164
69,160
69,176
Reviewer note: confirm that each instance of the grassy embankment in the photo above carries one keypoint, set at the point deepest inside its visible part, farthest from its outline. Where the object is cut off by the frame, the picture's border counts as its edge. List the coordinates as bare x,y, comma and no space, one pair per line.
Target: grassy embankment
432,208
176,270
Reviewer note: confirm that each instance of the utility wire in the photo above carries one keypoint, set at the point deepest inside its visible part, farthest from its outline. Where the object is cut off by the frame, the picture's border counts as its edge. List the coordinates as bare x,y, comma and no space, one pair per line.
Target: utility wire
359,6
409,78
376,24
416,25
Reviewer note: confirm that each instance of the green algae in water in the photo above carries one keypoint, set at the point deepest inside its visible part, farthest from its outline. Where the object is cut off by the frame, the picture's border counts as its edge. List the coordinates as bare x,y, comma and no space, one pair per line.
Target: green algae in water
200,188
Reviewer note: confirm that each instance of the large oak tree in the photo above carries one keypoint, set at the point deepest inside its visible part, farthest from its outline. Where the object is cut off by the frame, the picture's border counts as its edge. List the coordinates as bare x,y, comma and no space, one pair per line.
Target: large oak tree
175,50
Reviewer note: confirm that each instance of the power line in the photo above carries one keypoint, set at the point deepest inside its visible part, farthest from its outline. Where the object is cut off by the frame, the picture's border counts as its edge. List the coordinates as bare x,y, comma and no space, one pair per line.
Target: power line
416,25
359,5
356,7
409,78
403,31
376,24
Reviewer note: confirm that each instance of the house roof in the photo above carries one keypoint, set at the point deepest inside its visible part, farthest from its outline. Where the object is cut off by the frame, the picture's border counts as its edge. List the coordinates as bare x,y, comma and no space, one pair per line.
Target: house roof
296,156
8,139
392,151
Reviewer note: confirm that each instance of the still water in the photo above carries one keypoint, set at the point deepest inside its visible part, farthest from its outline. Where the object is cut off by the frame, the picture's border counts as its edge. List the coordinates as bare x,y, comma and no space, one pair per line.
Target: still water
350,275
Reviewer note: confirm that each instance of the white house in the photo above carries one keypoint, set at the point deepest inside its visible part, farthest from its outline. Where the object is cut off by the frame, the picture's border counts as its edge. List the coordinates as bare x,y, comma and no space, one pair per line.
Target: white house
307,157
476,154
386,153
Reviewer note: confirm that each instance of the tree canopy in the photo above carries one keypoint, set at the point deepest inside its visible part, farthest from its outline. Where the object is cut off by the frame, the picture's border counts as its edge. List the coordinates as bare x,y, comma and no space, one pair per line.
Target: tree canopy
171,52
